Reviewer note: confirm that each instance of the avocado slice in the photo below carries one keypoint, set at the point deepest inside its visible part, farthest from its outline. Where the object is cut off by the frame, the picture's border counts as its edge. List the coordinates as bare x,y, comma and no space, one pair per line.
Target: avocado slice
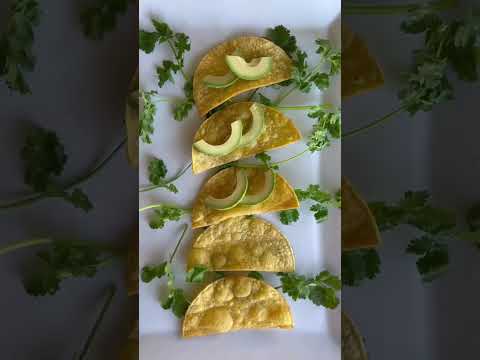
234,198
257,126
227,147
264,193
246,71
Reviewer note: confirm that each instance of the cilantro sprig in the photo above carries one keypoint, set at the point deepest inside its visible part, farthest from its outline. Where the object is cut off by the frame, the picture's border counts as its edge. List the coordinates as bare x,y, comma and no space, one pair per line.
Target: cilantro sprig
16,44
321,290
322,201
157,173
44,159
176,300
101,17
60,261
450,45
164,213
359,265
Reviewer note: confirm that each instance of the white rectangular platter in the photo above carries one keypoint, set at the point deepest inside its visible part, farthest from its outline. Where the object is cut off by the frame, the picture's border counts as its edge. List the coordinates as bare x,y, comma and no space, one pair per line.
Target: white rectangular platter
316,246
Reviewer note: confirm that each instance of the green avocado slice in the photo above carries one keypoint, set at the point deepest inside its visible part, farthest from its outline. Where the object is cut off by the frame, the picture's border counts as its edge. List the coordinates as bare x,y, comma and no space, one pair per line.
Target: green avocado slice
248,71
234,198
227,147
258,123
265,192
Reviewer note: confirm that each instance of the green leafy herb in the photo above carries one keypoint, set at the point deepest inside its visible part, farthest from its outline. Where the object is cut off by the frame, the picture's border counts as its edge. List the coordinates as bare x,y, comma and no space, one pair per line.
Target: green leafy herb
166,71
358,265
16,44
256,275
328,126
322,200
196,274
163,214
148,40
177,302
156,271
321,290
64,260
102,17
266,160
282,37
147,117
432,255
157,172
182,109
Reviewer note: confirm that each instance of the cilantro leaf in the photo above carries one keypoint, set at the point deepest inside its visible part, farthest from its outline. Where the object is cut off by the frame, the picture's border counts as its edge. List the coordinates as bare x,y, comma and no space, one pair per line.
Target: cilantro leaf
320,290
44,157
196,274
164,214
165,72
182,109
266,160
156,271
102,17
255,275
432,255
16,44
288,217
327,127
157,172
147,117
64,260
148,40
322,200
177,302
79,199
358,265
282,37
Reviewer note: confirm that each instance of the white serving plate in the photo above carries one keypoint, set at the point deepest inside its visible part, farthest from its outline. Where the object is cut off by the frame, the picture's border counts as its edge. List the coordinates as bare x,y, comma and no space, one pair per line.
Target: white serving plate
316,246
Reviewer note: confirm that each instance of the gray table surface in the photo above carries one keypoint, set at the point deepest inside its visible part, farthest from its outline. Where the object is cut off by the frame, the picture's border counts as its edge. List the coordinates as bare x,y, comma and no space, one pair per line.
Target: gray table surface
400,317
79,87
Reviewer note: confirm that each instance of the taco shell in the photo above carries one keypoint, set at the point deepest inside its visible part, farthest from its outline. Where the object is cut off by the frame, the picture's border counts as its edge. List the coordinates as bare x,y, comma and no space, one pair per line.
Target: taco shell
360,71
213,63
222,184
235,303
242,243
278,131
359,229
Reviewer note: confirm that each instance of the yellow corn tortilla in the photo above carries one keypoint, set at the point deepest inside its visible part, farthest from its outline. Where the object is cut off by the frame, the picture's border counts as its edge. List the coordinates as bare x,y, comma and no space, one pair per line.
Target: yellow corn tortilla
222,184
279,131
359,229
360,71
353,347
242,243
213,63
235,303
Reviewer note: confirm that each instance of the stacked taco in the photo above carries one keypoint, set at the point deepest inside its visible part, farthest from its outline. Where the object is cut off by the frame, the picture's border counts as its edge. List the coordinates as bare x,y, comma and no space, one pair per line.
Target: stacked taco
233,240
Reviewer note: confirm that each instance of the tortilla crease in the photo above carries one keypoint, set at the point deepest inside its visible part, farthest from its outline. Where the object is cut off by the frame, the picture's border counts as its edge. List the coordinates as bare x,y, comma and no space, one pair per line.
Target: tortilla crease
235,303
242,243
213,63
360,71
222,184
279,131
359,229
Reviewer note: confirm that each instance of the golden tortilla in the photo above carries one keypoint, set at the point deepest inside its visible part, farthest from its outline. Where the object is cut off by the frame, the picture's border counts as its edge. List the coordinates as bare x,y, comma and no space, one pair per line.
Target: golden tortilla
353,347
222,184
279,131
242,243
359,229
360,71
213,63
235,303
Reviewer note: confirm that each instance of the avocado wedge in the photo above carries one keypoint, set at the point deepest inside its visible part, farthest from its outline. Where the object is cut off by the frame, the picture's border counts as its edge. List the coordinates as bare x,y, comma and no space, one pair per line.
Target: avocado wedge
249,71
256,128
264,193
227,147
234,198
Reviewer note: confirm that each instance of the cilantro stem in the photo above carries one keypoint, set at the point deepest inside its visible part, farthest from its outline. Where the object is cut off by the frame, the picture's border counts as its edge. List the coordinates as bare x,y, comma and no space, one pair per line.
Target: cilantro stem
23,244
290,158
175,178
185,227
378,9
176,57
110,294
156,206
306,107
80,180
375,123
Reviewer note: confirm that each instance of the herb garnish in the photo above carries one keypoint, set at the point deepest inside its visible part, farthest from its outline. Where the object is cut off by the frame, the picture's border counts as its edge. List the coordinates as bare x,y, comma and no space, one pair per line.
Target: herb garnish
157,172
164,213
358,265
16,44
102,17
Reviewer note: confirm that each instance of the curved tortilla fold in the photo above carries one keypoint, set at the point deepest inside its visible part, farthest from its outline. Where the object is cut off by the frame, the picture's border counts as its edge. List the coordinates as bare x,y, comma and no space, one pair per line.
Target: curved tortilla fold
235,303
359,229
278,131
213,63
242,243
360,71
222,184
